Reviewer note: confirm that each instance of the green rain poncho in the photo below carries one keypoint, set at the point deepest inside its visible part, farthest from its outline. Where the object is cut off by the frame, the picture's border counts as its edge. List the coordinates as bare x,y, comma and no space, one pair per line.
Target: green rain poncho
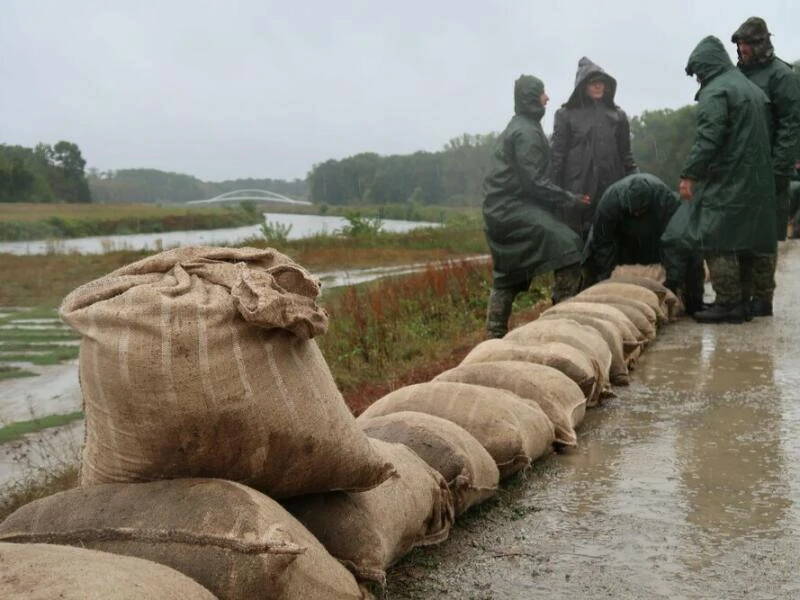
730,160
523,209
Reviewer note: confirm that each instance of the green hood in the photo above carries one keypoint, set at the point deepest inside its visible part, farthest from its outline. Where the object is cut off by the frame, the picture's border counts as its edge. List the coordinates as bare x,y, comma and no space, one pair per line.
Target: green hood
708,60
528,91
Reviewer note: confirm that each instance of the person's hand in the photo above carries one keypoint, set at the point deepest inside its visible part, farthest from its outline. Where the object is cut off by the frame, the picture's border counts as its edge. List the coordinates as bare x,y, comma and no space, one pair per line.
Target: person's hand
585,200
685,189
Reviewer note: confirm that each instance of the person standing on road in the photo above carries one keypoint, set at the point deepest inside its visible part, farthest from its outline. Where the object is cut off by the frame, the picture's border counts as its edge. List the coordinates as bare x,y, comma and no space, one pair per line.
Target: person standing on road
728,176
591,138
524,212
781,84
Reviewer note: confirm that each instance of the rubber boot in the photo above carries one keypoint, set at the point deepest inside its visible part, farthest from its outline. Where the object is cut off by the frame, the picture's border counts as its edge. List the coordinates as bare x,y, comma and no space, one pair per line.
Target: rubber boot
761,307
721,313
498,312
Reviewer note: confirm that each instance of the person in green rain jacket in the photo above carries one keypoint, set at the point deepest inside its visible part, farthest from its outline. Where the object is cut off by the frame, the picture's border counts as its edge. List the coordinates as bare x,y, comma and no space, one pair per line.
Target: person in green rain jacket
524,212
781,84
627,228
728,176
627,225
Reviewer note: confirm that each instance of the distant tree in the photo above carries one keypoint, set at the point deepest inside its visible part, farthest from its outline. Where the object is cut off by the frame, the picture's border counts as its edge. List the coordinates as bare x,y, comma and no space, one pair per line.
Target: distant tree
661,140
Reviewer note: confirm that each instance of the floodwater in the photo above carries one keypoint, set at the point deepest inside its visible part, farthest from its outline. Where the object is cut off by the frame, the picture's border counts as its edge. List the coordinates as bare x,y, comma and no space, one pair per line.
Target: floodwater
301,226
687,485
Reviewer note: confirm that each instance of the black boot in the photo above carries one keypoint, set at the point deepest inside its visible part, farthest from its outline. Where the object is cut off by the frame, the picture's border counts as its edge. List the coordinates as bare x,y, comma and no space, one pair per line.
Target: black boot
721,313
760,307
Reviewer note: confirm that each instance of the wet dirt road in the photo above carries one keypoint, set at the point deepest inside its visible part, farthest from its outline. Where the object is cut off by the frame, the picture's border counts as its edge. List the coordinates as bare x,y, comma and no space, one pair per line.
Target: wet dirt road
685,486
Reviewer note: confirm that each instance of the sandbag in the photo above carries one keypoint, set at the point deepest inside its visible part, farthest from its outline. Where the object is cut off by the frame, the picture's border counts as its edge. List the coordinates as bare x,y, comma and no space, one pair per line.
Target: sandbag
574,363
630,333
651,277
511,430
641,315
567,331
469,470
370,531
47,571
236,542
556,394
198,362
628,290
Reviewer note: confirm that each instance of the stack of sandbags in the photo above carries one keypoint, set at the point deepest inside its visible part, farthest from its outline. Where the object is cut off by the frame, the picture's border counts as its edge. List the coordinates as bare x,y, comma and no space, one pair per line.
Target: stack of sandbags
370,531
514,432
231,539
570,332
651,277
200,362
560,398
469,470
569,360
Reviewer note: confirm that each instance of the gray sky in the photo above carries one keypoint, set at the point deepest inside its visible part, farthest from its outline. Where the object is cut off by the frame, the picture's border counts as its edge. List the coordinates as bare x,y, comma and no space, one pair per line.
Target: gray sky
259,88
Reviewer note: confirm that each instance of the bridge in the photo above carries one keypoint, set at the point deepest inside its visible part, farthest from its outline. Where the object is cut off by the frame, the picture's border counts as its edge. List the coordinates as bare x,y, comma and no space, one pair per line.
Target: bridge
257,195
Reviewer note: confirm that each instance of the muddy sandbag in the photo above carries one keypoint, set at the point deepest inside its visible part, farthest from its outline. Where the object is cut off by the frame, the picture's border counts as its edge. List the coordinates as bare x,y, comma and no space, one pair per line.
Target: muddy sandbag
511,430
628,290
574,363
198,362
567,331
47,571
469,470
236,542
556,394
640,314
370,531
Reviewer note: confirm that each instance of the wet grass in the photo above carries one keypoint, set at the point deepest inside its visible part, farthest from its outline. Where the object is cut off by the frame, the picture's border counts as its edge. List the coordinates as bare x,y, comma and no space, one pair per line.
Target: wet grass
36,337
15,431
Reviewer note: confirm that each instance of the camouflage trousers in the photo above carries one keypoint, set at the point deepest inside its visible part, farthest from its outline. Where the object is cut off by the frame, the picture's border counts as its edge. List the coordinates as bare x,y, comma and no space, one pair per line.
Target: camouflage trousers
501,300
738,277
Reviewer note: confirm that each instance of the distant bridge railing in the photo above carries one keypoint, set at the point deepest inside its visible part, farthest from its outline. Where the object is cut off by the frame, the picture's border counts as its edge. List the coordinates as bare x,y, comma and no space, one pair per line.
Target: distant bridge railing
259,195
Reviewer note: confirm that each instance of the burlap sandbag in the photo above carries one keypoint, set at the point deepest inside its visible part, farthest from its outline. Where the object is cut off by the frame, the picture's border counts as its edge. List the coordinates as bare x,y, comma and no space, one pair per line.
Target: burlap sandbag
469,470
630,333
574,363
628,290
618,373
567,331
233,540
512,431
198,362
370,531
49,572
556,394
655,273
640,314
670,304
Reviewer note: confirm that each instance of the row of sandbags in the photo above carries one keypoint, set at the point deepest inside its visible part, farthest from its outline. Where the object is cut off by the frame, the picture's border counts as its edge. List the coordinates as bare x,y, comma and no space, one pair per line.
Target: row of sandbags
198,371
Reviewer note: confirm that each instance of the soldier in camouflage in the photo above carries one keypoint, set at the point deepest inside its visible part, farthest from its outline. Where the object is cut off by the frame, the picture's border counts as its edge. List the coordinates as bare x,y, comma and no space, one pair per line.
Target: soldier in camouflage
781,84
727,177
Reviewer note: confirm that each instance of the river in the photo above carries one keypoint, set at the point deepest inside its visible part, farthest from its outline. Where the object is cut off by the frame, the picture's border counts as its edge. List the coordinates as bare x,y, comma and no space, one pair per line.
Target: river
302,226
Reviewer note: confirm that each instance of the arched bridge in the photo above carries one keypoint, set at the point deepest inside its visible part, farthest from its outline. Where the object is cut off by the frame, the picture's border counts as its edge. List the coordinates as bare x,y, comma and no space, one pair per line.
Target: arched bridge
258,195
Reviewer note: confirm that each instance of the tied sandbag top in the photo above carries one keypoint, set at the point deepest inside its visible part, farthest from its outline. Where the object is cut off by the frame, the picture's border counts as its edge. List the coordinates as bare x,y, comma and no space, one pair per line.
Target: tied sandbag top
269,289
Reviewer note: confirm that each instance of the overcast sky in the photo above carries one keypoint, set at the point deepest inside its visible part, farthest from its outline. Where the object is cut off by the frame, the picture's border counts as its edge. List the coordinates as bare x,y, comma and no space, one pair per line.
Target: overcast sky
259,88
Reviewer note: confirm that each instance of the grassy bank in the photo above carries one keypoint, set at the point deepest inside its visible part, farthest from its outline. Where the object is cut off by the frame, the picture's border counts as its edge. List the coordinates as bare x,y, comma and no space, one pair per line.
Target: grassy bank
22,222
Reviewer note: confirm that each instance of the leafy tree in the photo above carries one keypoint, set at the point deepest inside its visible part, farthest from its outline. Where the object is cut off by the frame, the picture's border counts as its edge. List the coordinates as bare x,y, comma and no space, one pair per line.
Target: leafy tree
661,141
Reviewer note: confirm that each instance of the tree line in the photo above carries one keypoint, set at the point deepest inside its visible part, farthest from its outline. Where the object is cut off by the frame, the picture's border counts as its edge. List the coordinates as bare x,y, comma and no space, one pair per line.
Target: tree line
43,174
153,185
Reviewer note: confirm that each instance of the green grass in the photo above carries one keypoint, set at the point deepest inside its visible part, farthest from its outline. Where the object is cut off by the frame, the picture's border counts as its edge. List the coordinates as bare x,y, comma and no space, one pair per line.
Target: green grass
15,431
42,346
12,372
